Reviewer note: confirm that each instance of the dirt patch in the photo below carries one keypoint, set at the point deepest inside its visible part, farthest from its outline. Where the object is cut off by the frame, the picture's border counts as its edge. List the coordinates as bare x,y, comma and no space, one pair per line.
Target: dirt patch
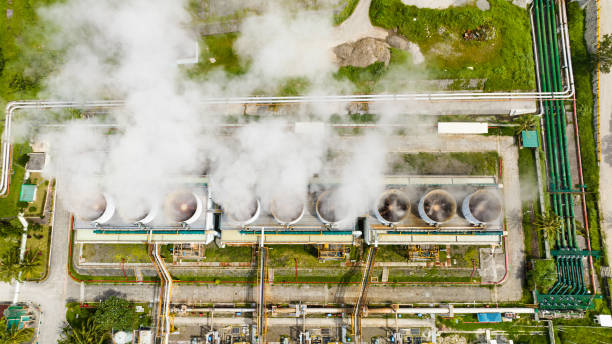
363,53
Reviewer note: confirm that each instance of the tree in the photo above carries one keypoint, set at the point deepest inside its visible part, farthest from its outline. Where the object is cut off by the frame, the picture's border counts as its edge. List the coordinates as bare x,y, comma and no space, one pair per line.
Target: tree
9,265
603,56
29,264
543,274
526,122
14,335
549,223
10,229
117,314
86,332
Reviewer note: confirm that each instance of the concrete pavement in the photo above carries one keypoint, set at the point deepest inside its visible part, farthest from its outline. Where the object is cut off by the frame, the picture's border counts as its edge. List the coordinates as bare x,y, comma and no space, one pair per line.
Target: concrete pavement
605,173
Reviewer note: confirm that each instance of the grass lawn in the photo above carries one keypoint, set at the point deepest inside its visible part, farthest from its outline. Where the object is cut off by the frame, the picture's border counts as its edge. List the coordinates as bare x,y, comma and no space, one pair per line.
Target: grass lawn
228,254
283,256
578,334
473,163
114,253
220,48
581,63
534,244
343,275
8,204
22,46
40,241
505,58
392,253
36,208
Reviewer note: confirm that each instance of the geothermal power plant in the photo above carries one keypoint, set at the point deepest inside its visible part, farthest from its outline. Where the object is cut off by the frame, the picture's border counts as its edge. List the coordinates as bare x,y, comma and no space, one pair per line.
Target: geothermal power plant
400,212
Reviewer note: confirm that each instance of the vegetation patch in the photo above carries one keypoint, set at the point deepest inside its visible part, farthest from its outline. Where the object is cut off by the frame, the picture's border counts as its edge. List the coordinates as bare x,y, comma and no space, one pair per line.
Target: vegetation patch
503,54
459,163
116,253
346,12
583,67
288,256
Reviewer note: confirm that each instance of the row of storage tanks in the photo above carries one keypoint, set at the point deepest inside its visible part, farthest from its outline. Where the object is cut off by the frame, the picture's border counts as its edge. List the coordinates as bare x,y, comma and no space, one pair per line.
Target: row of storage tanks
392,207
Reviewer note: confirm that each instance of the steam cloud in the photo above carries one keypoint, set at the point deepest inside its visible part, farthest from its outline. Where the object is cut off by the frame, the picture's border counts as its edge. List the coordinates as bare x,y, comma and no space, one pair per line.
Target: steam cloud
128,50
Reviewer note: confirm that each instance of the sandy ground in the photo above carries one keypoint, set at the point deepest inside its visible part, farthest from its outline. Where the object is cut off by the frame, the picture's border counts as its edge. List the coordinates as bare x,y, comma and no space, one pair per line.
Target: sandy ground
605,177
358,26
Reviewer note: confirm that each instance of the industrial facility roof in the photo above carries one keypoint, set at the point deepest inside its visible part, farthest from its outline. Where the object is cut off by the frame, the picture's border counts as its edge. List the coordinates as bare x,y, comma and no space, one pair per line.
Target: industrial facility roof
529,138
28,193
36,162
489,317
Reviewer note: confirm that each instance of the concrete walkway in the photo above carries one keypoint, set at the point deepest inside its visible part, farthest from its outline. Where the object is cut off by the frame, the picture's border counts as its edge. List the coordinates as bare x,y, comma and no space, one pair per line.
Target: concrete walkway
605,176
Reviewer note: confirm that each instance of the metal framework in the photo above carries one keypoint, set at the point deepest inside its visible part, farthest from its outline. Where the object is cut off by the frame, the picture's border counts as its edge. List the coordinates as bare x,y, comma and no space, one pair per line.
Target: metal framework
361,303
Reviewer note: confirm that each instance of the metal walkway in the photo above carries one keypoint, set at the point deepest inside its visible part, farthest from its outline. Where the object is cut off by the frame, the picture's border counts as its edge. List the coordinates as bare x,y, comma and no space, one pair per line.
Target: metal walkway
261,282
570,291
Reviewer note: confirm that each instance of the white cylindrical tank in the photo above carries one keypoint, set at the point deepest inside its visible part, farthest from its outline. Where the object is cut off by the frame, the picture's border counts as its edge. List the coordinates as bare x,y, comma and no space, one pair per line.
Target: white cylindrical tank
392,207
481,207
144,213
287,212
99,208
245,216
184,206
437,206
330,210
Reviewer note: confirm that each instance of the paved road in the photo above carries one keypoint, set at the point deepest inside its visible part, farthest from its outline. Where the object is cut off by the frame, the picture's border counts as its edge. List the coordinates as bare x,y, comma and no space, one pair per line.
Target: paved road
605,176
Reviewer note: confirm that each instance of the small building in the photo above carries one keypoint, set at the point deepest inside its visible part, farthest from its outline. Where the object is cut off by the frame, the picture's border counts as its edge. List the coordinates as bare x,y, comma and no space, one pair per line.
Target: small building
37,162
28,193
489,317
18,316
463,128
604,320
529,139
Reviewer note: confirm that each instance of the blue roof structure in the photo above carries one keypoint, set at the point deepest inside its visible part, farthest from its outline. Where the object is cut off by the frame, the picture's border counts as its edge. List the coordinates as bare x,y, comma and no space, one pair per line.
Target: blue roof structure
28,193
489,317
529,139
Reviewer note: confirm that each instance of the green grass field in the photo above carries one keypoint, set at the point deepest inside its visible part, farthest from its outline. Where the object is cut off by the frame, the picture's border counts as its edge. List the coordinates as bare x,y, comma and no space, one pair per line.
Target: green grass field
505,59
116,253
281,256
472,163
42,244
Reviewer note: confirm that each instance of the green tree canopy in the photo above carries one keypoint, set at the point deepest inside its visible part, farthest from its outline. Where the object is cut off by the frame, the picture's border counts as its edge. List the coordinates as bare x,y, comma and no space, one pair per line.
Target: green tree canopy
549,223
117,314
85,332
604,53
9,264
14,335
29,265
543,274
10,229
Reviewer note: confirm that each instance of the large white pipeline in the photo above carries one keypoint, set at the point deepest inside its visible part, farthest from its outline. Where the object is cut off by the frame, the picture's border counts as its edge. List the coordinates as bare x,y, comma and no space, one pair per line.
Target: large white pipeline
384,310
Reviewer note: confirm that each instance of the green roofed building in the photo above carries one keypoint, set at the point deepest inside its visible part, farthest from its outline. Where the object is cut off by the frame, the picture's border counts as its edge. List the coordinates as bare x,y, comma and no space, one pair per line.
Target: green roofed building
19,317
28,193
529,139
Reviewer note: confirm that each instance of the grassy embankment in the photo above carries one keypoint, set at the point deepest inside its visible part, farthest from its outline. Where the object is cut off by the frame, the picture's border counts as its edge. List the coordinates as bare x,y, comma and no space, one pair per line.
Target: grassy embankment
346,12
582,66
